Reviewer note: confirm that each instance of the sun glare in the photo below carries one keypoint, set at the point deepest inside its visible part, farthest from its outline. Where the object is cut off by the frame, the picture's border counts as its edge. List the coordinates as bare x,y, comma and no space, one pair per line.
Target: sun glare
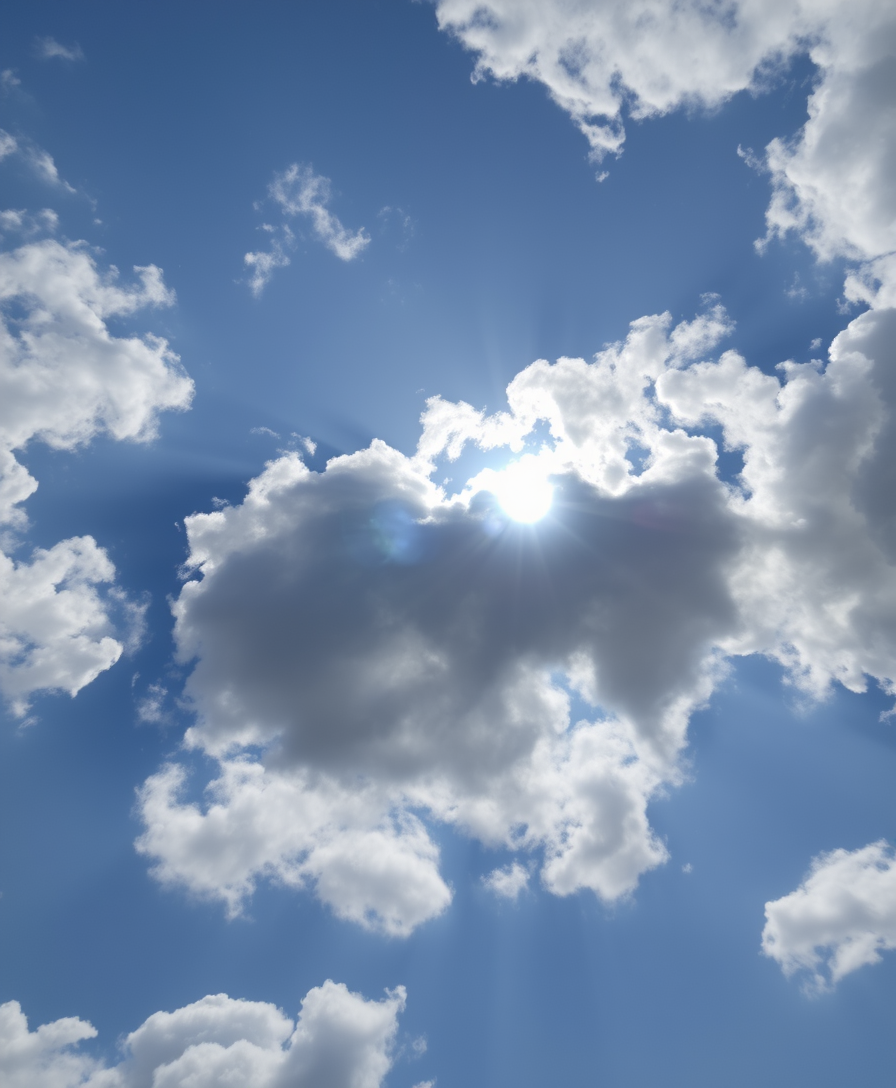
523,490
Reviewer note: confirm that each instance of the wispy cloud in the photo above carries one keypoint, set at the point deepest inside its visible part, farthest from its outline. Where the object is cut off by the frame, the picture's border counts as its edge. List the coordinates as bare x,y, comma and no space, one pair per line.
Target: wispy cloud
48,48
40,161
298,191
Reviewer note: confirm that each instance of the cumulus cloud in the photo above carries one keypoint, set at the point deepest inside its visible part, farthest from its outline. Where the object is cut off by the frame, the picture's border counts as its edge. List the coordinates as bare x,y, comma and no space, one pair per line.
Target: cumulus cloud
597,60
840,918
49,48
339,1039
64,378
298,191
374,656
831,181
509,881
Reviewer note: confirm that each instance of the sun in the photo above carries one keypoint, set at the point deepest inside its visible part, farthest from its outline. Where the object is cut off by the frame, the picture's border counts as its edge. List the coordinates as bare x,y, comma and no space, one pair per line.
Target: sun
523,490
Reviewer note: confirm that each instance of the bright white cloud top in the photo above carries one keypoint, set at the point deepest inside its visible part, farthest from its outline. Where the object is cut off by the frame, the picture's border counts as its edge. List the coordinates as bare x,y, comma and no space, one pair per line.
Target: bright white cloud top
339,1039
65,378
840,918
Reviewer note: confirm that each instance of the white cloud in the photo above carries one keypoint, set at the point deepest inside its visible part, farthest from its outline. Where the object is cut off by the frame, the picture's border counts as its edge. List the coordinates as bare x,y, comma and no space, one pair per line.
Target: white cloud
298,191
509,881
340,1039
18,221
64,378
48,48
816,587
840,918
832,182
372,653
648,58
265,262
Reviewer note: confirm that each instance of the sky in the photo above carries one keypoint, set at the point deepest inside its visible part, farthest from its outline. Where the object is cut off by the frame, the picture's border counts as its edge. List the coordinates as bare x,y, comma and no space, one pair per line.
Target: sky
447,544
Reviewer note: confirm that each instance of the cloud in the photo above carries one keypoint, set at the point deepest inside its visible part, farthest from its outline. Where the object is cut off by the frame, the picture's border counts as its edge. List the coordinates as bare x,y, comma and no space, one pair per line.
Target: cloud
340,1039
64,378
40,161
507,882
298,191
8,144
600,60
18,221
374,656
49,48
265,262
839,919
832,182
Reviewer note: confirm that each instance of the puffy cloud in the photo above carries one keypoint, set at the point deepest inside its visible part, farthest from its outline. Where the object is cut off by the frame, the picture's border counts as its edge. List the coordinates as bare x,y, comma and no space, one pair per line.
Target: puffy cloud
373,655
42,1058
64,378
298,191
651,57
840,918
816,588
57,623
831,182
340,1039
509,881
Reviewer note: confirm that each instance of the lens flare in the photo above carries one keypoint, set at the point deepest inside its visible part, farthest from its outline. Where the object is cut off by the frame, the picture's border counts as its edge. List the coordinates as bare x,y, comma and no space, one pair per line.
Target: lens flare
523,490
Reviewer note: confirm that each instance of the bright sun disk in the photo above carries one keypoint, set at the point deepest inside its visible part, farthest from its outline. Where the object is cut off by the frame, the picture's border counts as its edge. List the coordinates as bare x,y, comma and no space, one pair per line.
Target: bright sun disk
523,491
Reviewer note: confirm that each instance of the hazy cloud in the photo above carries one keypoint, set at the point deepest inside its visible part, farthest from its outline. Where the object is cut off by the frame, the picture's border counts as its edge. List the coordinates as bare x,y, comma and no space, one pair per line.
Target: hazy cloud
299,192
49,48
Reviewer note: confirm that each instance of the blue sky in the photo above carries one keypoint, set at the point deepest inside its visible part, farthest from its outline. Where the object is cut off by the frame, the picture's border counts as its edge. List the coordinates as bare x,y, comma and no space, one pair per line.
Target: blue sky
607,791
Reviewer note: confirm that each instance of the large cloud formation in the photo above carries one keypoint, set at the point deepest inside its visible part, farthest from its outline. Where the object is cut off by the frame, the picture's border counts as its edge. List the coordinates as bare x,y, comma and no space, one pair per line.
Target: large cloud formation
374,655
373,652
840,918
65,378
340,1040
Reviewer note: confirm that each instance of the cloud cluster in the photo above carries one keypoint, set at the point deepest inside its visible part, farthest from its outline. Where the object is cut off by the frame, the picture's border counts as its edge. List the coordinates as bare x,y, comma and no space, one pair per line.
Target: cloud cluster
65,378
298,191
373,654
340,1040
831,182
840,918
